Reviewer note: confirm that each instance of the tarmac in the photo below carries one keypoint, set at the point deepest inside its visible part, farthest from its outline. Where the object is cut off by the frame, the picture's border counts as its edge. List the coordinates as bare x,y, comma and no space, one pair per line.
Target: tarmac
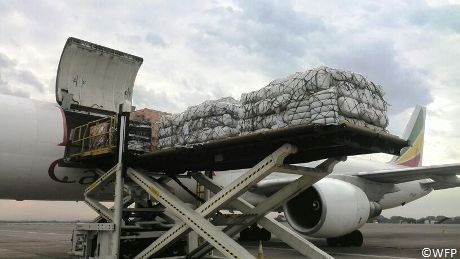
52,240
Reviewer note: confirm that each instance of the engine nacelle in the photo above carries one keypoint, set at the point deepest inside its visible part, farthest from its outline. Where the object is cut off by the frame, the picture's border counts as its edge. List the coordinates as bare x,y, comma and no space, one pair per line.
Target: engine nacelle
330,208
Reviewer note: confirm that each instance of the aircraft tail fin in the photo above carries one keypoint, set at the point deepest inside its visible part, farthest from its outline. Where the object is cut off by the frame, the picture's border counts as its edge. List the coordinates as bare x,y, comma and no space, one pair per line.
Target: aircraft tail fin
414,133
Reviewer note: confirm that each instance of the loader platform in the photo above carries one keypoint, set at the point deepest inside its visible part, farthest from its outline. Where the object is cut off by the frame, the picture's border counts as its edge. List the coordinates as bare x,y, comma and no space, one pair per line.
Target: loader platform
313,142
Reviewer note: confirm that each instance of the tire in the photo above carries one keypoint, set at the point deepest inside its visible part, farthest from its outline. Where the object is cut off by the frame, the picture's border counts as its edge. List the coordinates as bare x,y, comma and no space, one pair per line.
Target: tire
356,238
264,235
244,235
333,241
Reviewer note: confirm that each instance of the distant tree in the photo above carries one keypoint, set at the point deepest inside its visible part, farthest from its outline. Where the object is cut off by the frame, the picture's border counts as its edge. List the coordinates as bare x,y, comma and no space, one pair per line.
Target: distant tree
428,219
440,218
397,219
382,219
456,220
411,220
421,221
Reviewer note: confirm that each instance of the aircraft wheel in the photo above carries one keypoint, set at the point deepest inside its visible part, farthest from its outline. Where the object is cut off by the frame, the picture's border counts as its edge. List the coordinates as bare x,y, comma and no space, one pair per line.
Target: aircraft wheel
356,238
255,233
264,235
244,235
250,234
332,241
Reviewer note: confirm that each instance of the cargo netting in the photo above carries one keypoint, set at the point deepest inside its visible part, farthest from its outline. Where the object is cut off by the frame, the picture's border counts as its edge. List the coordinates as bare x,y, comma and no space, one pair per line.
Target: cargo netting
318,96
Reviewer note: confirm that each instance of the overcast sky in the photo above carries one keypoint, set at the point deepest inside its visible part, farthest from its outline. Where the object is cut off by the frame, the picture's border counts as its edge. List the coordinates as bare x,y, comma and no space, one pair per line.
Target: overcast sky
197,50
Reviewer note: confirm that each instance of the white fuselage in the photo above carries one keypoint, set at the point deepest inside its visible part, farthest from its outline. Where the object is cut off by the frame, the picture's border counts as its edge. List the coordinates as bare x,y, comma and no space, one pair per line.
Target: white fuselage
32,139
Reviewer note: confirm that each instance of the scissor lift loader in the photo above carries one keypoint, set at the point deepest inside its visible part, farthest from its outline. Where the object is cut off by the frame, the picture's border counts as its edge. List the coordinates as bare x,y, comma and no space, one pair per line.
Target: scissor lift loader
94,87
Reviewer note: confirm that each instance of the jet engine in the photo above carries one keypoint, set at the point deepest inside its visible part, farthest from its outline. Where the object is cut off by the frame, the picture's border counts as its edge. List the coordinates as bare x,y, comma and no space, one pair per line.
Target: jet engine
330,208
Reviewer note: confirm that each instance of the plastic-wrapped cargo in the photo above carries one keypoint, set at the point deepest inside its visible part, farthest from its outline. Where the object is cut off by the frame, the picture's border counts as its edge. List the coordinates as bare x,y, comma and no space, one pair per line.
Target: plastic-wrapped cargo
145,123
207,121
140,136
98,136
318,96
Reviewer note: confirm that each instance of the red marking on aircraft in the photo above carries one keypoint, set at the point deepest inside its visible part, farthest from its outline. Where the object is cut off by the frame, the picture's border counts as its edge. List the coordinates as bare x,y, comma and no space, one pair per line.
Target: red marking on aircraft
64,127
413,162
52,174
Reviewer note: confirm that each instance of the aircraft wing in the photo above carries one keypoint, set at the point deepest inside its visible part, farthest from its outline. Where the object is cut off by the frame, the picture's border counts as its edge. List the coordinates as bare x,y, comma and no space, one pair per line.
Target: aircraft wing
442,176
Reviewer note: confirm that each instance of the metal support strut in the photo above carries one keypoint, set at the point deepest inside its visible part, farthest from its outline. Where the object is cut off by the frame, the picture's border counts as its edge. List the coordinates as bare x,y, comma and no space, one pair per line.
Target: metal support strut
235,189
292,238
214,237
197,220
119,183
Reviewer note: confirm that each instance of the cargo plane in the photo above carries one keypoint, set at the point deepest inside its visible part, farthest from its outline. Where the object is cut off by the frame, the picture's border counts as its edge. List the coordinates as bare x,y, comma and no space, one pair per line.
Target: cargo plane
35,134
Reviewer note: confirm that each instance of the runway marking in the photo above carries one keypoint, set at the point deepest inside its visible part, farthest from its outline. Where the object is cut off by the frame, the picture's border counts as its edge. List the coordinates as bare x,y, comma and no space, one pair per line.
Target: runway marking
32,232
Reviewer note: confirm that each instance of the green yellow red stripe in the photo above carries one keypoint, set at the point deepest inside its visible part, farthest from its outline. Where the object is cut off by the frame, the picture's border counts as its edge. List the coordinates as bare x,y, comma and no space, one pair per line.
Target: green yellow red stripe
412,155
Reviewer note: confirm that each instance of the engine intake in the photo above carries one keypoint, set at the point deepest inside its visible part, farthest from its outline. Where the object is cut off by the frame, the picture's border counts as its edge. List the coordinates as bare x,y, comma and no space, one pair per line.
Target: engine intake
330,208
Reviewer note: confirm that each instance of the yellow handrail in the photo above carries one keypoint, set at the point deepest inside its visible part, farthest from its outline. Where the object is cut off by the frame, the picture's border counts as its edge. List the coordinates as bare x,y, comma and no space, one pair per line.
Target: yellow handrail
95,137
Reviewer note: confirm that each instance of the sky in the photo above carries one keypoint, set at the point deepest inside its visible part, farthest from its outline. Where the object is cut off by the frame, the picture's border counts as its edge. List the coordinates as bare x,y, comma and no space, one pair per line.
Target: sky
199,50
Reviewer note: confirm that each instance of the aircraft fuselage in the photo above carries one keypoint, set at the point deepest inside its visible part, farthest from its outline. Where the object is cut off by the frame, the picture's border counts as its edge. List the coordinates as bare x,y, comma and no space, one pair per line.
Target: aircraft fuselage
33,140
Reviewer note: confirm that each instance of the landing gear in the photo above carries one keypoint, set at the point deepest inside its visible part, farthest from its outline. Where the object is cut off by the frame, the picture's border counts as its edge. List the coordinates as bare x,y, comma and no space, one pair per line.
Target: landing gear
255,233
355,238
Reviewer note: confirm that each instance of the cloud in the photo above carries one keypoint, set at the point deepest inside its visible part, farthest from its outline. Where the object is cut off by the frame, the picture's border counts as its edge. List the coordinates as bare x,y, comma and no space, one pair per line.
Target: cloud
445,17
27,77
190,93
272,32
17,81
283,40
7,90
147,98
155,40
380,63
5,61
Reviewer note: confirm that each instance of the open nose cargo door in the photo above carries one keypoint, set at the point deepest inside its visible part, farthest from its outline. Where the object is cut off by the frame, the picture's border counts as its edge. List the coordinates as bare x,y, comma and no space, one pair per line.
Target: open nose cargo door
94,79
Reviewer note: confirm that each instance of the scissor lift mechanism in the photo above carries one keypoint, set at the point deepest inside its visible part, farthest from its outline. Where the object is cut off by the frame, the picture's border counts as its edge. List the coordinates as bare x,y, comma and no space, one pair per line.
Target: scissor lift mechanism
197,220
136,185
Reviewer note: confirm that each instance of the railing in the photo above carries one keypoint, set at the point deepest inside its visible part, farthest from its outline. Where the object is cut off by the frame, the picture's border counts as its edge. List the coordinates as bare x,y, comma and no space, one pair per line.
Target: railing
95,138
